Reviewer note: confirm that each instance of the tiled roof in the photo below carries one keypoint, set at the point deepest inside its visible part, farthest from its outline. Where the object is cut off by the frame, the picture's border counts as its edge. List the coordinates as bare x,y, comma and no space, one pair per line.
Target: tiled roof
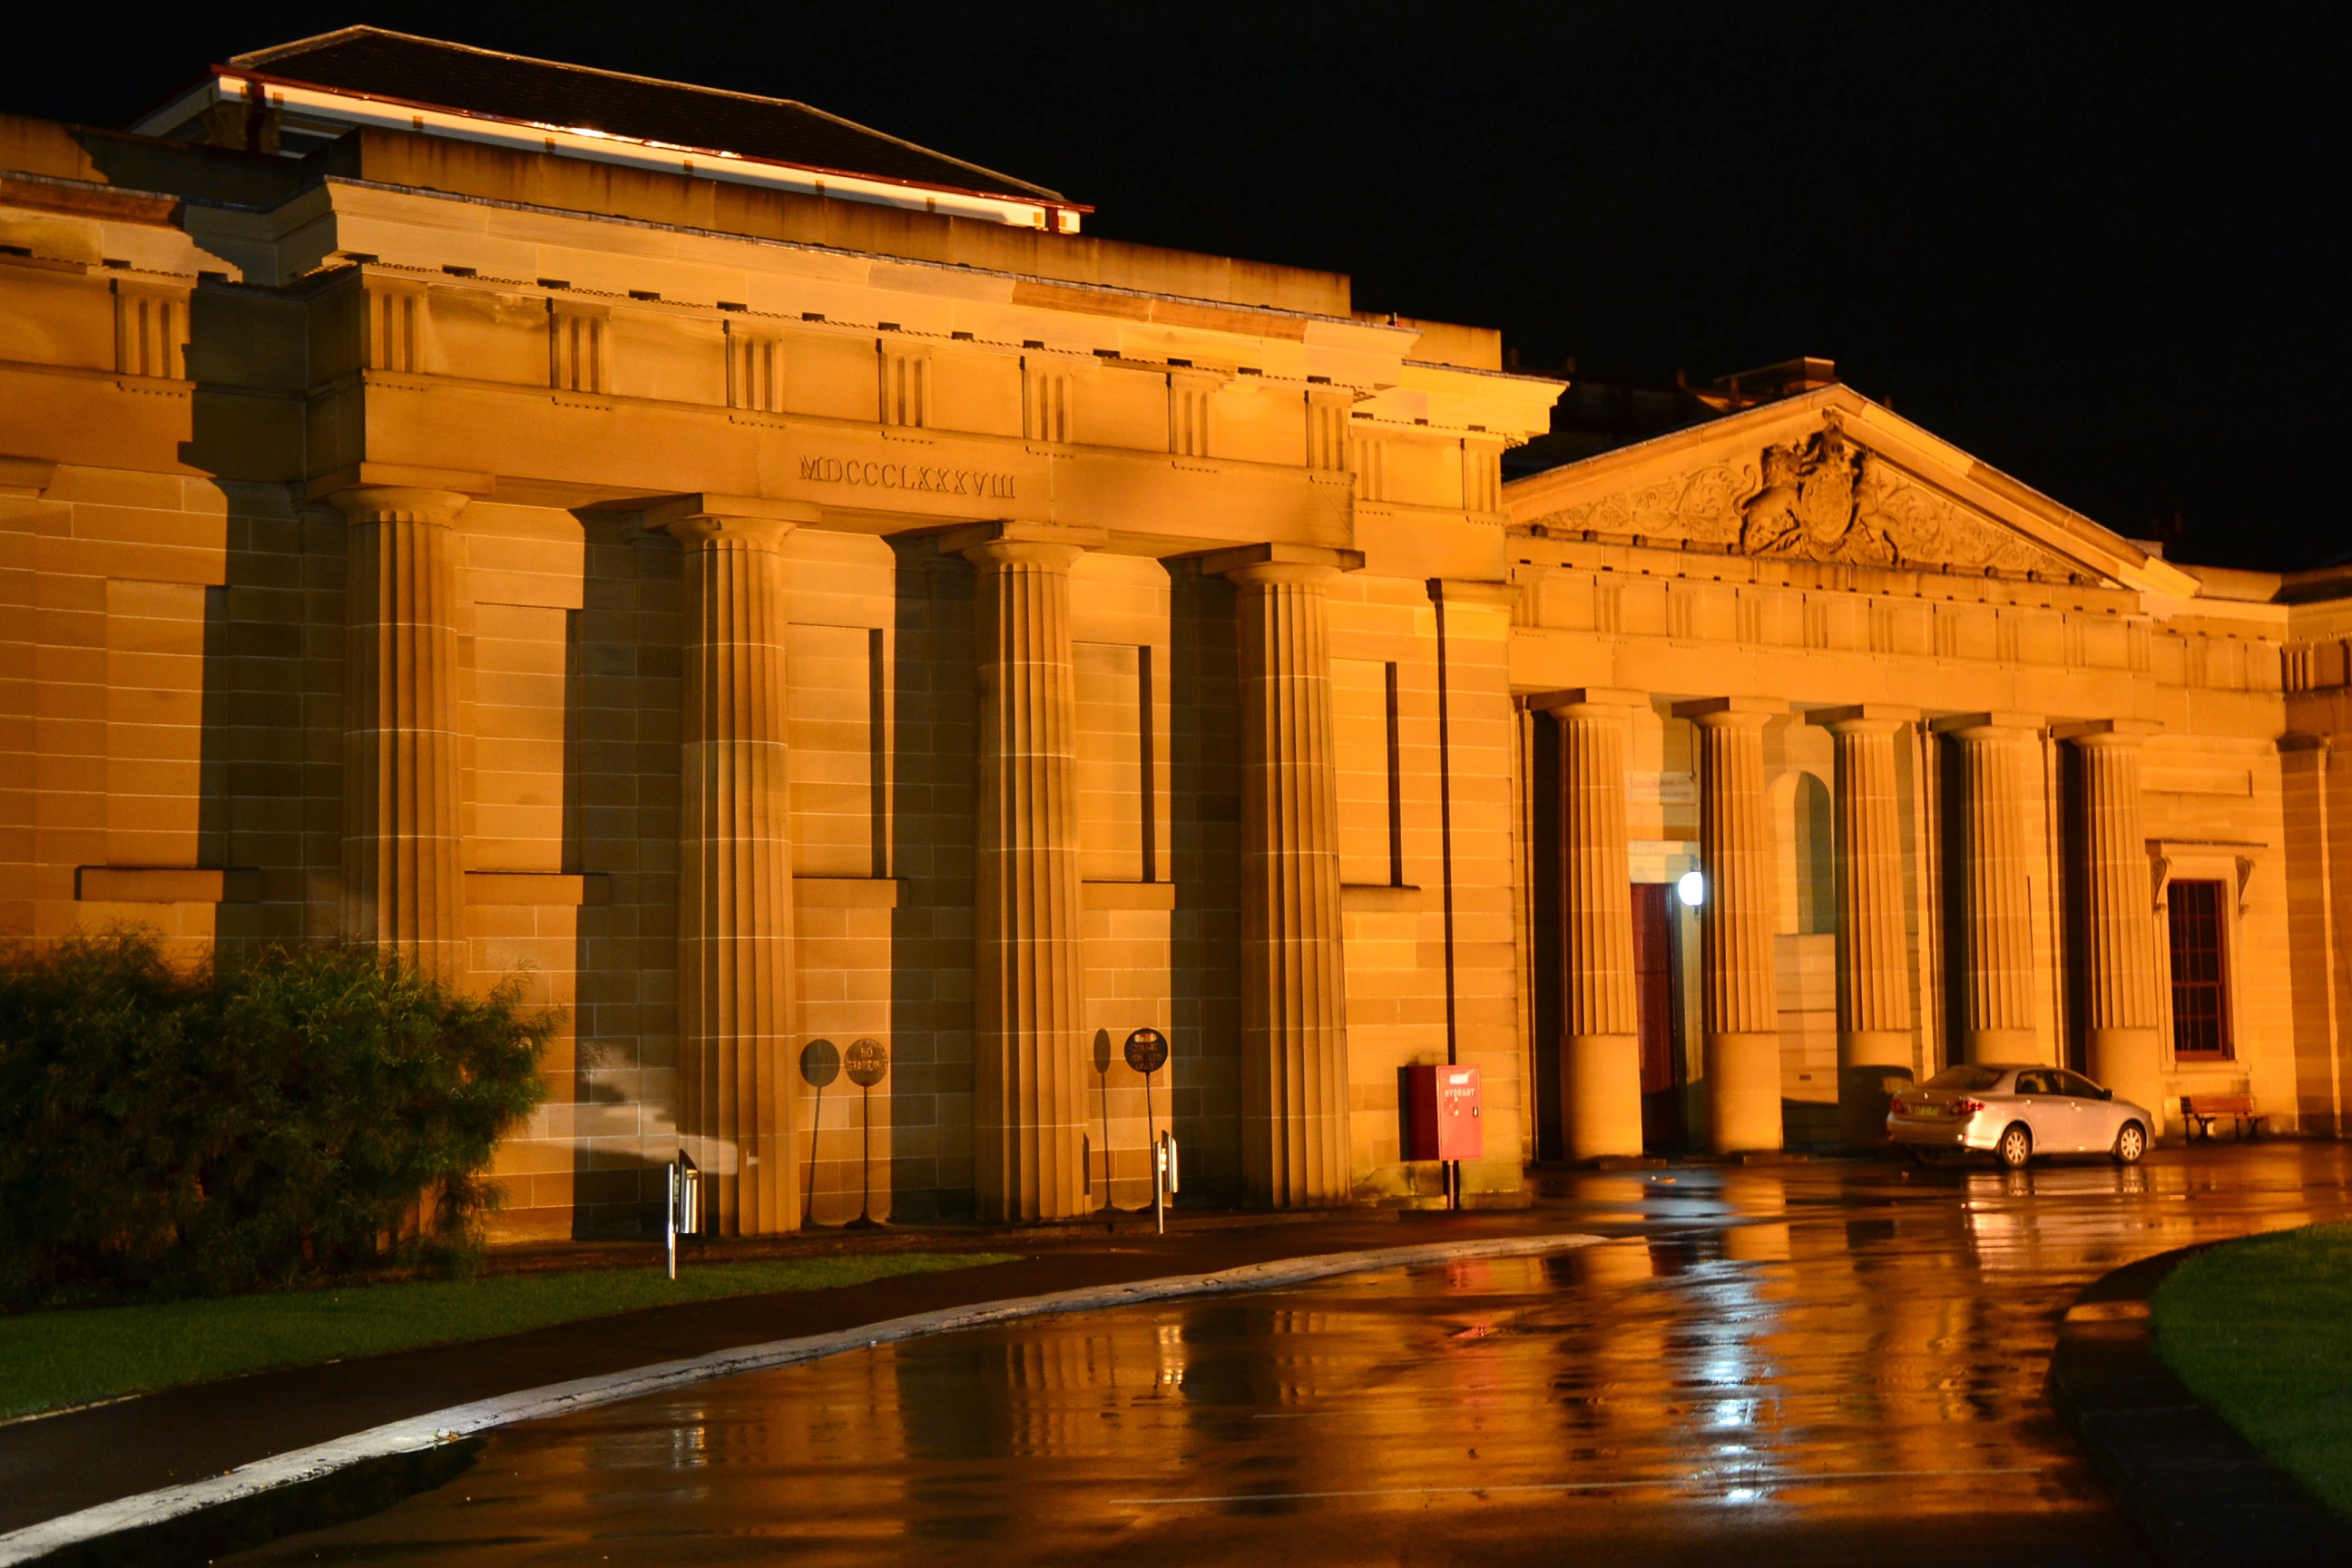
371,61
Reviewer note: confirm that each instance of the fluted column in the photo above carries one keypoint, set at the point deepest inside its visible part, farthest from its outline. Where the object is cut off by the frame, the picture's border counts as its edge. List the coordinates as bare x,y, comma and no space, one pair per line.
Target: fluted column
1874,951
2120,1013
1996,971
1029,1002
404,876
1600,1042
1741,1020
1295,1129
736,972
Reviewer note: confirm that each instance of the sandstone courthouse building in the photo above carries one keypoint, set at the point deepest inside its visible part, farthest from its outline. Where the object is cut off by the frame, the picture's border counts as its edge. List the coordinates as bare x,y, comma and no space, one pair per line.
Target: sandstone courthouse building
759,580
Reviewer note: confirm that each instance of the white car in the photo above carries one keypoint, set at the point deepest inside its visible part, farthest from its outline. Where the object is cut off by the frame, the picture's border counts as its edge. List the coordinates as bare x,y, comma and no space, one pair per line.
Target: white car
2016,1112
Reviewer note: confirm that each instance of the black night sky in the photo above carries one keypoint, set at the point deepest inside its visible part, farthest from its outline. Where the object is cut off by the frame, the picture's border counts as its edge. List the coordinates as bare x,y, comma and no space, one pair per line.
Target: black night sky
2102,250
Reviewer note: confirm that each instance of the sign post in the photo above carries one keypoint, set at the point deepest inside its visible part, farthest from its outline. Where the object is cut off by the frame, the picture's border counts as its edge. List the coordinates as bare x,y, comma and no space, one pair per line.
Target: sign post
1146,1053
1167,1171
820,1065
868,1064
685,1205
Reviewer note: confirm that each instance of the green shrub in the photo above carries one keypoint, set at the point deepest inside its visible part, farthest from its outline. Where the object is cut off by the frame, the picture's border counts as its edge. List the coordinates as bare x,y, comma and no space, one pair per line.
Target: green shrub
312,1113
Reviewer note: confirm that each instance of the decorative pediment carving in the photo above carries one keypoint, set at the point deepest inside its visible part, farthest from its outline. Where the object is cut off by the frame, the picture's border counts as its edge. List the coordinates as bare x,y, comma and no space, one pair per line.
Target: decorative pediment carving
1822,498
1808,504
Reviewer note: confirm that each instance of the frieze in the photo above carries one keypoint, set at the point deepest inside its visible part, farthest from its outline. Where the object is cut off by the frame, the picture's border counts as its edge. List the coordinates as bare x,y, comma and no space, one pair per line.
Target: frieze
1825,498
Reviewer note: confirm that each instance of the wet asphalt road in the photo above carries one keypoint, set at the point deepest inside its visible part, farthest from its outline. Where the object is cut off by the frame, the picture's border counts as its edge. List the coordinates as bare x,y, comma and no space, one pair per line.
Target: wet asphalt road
1820,1364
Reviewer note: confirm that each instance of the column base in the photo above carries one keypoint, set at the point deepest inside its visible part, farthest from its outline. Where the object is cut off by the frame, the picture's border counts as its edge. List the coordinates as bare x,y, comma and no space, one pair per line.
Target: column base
1743,1093
2008,1047
1600,1096
1868,1061
2131,1063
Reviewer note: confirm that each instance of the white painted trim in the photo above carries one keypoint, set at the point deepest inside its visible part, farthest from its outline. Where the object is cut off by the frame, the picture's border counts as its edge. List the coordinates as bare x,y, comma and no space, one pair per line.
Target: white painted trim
421,1432
312,105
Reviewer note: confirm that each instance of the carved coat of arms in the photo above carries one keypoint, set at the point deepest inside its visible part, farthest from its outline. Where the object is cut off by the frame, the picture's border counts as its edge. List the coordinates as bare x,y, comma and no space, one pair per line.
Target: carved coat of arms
1822,497
1808,504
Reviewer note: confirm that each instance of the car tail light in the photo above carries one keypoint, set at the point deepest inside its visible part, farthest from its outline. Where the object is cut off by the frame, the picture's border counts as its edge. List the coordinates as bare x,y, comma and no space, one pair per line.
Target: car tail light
1894,1106
1966,1107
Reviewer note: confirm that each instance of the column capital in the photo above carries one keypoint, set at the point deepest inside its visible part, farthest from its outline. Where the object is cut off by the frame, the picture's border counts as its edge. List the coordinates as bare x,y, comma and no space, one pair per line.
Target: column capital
405,503
2108,731
1726,711
1469,590
1558,704
374,476
705,519
1252,564
1991,726
1051,545
1864,718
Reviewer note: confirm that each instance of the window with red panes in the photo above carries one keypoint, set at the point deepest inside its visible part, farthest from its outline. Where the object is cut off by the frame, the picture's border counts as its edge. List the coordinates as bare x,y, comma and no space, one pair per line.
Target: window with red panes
2201,1010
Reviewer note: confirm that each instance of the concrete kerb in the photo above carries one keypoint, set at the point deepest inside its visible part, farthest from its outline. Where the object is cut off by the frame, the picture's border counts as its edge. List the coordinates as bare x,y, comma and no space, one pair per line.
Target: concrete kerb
2203,1496
73,1533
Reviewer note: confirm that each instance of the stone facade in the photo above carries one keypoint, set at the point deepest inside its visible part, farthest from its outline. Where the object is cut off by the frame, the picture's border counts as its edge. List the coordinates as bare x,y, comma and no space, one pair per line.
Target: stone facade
1990,739
752,616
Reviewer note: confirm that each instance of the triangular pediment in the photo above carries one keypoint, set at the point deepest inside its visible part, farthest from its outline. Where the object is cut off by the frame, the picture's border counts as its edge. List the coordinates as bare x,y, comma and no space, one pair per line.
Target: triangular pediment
1832,477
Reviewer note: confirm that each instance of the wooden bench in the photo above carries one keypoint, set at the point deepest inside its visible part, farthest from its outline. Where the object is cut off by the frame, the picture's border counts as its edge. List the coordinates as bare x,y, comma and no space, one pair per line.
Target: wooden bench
2201,1111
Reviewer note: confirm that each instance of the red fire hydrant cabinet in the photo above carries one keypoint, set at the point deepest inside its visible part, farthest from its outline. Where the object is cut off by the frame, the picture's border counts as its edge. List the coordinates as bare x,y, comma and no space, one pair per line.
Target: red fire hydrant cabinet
1439,1106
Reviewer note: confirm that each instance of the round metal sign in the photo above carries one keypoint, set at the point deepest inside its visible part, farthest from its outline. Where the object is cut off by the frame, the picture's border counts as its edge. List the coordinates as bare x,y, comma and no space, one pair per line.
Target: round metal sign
820,1062
1147,1050
868,1062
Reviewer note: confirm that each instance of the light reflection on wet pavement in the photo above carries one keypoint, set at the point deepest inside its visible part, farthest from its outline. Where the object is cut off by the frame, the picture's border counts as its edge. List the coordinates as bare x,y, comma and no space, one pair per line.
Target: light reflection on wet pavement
1816,1363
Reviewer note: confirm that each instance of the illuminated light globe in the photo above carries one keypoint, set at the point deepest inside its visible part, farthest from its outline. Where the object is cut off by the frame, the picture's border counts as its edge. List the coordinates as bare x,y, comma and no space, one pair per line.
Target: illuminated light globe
1691,889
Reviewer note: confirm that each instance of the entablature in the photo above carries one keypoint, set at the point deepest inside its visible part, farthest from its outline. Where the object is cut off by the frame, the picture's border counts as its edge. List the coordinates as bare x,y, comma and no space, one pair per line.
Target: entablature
1812,618
1597,552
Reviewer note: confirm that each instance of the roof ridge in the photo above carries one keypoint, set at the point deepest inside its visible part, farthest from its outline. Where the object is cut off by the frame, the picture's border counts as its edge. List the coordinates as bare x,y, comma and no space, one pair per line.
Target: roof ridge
261,60
254,59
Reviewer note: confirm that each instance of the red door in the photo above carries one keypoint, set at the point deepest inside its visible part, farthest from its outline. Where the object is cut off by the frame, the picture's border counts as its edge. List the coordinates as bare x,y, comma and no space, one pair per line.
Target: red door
1654,983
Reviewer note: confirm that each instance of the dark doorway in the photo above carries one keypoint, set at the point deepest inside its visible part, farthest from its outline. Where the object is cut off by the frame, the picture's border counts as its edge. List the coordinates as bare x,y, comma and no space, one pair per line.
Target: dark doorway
1654,985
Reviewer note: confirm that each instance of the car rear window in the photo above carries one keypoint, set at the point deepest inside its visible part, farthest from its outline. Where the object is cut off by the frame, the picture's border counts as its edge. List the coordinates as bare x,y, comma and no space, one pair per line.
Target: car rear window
1965,1078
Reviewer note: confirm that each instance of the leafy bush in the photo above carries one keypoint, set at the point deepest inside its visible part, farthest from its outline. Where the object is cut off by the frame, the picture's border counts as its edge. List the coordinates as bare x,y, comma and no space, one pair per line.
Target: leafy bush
315,1112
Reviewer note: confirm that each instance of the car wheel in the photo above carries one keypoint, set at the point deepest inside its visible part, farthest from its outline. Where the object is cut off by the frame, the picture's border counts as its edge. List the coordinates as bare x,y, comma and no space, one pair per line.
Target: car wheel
2130,1143
2016,1146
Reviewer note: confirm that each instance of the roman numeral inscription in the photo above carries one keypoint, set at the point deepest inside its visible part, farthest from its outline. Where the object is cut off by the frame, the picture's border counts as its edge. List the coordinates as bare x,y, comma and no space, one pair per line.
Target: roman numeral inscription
920,477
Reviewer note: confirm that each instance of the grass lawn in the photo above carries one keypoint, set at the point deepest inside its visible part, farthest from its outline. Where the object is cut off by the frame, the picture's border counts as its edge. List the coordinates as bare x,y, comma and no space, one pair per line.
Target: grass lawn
49,1360
2261,1330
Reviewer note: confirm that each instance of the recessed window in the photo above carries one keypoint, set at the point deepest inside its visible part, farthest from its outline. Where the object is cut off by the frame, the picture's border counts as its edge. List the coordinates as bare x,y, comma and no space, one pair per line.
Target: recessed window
2201,1009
